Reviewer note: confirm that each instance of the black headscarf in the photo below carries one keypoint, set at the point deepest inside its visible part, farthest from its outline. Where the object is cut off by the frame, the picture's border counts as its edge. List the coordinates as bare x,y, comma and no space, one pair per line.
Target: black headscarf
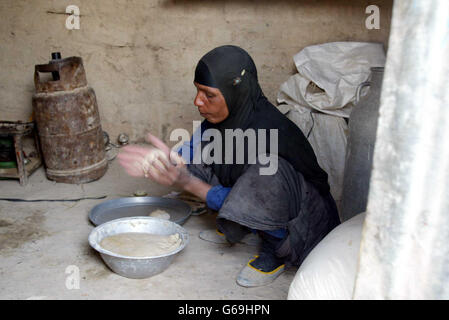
233,72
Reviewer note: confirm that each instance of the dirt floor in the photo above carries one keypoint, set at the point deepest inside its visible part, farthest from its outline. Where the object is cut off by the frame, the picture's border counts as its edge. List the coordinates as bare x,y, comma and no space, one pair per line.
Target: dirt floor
40,243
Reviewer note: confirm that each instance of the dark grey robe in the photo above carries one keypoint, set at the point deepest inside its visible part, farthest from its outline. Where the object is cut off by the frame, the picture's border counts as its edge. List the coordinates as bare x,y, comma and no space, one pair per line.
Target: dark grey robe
284,200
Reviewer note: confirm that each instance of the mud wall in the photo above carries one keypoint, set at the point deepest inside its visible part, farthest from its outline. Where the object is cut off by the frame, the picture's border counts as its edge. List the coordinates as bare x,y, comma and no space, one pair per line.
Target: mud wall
140,55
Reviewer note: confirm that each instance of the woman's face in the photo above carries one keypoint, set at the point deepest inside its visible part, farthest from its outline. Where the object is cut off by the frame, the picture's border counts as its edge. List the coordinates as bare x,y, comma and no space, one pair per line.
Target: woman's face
210,103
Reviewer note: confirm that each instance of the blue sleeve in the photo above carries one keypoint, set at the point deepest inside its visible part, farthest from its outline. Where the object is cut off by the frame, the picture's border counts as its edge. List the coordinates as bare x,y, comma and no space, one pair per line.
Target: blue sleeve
189,145
216,196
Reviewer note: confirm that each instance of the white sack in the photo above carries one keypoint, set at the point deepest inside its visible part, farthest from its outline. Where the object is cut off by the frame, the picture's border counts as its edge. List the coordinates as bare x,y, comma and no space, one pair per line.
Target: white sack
329,271
337,68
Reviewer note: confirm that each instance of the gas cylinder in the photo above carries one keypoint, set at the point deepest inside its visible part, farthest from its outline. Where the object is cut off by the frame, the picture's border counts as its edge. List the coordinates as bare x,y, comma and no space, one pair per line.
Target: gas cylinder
68,122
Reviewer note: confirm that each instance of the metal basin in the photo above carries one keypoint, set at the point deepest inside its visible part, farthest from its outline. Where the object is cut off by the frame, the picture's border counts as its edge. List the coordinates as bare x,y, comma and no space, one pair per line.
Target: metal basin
139,206
137,267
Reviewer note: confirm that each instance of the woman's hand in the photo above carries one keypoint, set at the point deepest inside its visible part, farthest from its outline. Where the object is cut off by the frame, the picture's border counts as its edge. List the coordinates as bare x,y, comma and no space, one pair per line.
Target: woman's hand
167,173
160,164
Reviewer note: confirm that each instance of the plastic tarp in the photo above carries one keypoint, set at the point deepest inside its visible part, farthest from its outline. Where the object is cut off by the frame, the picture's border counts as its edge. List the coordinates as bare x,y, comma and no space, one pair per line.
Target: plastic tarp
321,95
330,269
329,74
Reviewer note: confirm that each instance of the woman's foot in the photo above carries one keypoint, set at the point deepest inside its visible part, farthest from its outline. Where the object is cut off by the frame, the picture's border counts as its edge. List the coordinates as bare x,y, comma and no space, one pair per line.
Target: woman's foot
265,263
265,267
260,271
